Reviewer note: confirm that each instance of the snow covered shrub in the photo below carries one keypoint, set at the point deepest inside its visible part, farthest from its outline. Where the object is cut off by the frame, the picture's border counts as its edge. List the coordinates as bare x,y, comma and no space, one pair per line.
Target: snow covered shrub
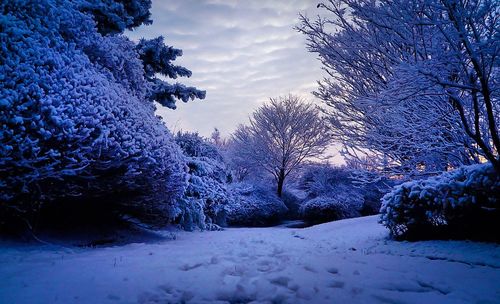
193,145
339,184
330,208
77,116
204,202
254,205
464,203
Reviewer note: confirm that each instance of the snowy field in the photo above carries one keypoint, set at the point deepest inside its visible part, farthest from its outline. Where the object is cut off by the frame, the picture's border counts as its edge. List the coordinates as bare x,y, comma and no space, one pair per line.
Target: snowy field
348,261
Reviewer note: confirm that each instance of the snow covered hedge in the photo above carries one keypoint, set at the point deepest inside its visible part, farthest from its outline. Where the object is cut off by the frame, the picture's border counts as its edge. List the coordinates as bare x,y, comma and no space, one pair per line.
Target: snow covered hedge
333,193
203,204
254,205
77,119
330,208
464,203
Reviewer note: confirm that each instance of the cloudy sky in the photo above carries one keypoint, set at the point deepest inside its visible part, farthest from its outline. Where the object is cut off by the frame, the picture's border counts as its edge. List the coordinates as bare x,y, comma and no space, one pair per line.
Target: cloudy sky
240,52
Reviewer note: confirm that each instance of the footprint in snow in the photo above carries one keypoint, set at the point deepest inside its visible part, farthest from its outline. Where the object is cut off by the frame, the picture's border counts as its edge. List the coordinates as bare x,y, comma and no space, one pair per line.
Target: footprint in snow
332,270
281,281
214,260
188,267
264,266
236,271
310,269
243,254
277,251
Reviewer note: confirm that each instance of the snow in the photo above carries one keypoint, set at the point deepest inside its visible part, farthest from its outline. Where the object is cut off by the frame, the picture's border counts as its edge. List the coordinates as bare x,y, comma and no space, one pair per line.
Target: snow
348,261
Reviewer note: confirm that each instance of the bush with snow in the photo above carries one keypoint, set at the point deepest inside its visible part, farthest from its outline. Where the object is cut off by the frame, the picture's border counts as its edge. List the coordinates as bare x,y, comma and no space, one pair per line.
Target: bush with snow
204,202
464,203
254,205
335,193
330,208
77,116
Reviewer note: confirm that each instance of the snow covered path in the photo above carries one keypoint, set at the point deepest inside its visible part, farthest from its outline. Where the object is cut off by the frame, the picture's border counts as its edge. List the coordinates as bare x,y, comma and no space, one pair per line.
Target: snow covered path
348,261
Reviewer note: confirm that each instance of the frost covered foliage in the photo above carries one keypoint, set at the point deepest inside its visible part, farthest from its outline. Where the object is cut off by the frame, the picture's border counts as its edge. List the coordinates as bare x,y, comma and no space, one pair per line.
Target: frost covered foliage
319,180
412,84
157,58
193,145
330,208
75,119
114,16
464,203
279,137
206,197
254,205
339,193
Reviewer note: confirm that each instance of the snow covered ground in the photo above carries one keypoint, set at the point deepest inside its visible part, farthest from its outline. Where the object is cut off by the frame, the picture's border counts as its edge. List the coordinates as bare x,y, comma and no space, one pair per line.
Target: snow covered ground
348,261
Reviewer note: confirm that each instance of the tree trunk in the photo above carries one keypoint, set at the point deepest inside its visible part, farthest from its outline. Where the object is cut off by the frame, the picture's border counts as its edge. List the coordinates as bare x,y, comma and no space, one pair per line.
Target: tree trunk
281,180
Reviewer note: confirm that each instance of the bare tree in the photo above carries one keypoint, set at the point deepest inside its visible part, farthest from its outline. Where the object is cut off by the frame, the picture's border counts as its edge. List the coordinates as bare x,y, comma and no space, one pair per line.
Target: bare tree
412,83
279,137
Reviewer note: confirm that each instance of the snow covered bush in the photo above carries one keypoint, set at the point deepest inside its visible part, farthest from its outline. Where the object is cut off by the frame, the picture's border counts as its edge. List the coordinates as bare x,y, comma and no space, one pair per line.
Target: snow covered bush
464,203
204,202
254,205
330,208
77,117
339,192
193,145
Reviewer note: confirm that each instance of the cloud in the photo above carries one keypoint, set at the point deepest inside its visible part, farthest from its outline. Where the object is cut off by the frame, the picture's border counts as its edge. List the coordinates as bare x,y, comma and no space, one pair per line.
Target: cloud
241,52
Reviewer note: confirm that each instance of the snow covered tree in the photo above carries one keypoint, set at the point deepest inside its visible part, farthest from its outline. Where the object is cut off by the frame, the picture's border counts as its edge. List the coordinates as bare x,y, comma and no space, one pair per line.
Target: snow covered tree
217,139
114,16
76,120
280,136
413,84
157,59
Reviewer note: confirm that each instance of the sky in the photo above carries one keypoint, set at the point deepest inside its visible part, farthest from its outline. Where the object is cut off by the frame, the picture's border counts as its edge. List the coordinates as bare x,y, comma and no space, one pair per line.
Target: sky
240,52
